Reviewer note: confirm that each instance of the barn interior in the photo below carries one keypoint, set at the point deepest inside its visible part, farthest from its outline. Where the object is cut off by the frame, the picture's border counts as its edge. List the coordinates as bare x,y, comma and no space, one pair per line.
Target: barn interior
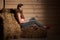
45,11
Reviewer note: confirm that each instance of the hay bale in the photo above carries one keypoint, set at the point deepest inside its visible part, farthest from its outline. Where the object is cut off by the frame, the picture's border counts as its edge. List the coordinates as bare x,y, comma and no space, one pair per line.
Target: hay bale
11,27
33,32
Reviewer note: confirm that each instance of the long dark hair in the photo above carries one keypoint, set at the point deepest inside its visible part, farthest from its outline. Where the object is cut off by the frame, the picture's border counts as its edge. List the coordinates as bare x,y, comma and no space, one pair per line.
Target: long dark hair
18,10
19,5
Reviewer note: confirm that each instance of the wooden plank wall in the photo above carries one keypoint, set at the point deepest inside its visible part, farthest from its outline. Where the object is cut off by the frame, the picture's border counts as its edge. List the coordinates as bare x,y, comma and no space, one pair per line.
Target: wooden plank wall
44,10
31,8
52,15
1,4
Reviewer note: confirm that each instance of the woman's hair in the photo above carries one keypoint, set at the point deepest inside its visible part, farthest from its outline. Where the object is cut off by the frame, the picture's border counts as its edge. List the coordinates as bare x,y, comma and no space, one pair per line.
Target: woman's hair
19,5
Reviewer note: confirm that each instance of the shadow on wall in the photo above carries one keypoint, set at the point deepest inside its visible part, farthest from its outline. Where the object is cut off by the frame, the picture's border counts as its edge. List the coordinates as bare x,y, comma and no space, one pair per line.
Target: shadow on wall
14,12
1,28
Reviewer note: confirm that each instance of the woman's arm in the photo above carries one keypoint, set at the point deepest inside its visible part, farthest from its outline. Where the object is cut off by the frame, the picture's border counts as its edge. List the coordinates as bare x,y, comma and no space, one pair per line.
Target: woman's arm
18,17
21,18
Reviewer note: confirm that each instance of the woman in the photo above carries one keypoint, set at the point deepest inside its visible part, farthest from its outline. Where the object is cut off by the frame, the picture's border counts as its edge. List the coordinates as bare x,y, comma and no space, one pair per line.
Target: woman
21,18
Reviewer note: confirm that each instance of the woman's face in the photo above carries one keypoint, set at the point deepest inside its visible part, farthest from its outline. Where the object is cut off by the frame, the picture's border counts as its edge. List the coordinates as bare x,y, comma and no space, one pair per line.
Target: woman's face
20,8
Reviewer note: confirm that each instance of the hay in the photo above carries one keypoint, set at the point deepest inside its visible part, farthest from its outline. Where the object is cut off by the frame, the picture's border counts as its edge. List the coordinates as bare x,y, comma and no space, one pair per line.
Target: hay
33,32
11,27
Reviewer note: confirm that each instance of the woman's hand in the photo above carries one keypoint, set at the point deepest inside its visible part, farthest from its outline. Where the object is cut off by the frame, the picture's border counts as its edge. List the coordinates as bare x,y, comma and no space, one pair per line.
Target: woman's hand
23,20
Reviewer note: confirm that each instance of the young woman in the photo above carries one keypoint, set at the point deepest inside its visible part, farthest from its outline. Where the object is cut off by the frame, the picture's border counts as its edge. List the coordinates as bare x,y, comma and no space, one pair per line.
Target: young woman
21,18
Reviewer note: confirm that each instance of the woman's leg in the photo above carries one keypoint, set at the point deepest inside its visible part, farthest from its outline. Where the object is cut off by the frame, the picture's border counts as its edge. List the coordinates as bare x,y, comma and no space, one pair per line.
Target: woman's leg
32,22
27,24
36,22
